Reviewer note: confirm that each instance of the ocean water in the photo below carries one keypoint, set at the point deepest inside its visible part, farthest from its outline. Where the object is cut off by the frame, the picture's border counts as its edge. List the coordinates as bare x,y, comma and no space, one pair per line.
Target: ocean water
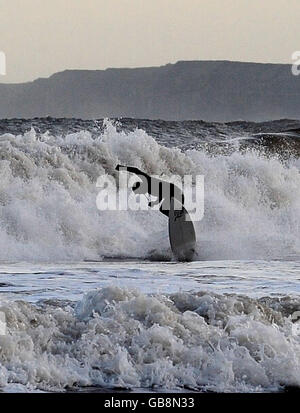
93,298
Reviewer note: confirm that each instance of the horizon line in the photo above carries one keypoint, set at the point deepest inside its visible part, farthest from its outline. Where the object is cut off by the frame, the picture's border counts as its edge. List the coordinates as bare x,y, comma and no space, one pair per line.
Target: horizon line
143,67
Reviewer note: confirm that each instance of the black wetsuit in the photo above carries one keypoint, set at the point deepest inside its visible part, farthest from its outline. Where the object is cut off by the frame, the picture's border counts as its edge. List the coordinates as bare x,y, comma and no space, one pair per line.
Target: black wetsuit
162,190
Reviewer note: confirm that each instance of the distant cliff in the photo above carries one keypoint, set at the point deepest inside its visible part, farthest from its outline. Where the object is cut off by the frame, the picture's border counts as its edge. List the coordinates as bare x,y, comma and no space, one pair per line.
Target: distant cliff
208,90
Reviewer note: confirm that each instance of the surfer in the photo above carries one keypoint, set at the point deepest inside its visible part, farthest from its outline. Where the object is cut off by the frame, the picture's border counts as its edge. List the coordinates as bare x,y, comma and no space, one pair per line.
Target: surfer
163,191
171,199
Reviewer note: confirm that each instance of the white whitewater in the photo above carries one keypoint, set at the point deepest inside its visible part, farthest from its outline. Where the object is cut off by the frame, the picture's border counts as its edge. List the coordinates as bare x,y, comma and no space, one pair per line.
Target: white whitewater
223,323
48,199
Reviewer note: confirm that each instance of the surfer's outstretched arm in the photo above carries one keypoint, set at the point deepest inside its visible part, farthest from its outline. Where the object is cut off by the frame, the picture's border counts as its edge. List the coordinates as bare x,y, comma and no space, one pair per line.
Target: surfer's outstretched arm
133,170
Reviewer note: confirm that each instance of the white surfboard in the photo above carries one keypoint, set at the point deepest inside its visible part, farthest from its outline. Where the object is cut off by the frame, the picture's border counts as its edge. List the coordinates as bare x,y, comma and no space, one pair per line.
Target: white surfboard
181,233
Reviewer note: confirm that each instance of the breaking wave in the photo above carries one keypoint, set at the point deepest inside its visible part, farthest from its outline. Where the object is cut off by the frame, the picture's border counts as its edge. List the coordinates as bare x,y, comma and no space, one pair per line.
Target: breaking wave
48,197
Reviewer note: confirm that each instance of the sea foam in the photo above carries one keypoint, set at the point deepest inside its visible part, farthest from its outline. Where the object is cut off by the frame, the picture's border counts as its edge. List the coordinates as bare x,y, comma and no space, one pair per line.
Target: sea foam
117,337
48,199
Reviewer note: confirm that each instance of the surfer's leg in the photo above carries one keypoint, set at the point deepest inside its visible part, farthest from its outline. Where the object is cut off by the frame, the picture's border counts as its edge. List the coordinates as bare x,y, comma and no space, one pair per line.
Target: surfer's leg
178,195
166,212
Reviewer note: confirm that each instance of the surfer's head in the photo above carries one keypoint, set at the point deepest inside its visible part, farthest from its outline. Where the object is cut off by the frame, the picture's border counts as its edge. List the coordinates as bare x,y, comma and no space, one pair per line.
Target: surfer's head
137,188
140,187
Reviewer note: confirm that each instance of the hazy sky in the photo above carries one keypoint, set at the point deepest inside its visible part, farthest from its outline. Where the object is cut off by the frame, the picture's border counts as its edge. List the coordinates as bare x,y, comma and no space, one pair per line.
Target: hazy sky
40,37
